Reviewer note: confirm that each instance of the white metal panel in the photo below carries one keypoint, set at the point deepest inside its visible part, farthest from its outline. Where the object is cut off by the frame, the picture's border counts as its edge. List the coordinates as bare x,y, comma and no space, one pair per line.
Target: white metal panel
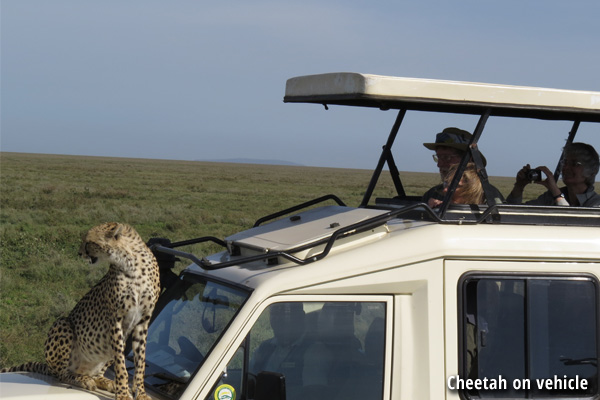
31,386
306,227
343,85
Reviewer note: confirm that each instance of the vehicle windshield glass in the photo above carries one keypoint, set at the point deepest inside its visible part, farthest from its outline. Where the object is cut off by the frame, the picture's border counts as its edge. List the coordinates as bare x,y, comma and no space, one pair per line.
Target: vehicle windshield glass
190,318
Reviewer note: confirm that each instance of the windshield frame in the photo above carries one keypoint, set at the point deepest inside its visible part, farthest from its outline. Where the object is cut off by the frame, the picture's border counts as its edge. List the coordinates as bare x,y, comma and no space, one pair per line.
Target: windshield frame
156,372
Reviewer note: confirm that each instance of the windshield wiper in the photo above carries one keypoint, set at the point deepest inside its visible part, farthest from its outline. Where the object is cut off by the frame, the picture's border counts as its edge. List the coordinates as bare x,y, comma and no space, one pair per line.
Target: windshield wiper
164,374
167,376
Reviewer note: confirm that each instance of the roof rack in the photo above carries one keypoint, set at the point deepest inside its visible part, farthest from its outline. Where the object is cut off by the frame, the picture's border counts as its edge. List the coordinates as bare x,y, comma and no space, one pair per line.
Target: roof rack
288,254
458,215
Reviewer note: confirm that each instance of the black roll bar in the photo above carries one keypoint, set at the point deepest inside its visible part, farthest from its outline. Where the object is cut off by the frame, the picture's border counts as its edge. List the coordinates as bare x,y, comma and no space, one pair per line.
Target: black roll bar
385,155
570,139
198,240
395,175
472,153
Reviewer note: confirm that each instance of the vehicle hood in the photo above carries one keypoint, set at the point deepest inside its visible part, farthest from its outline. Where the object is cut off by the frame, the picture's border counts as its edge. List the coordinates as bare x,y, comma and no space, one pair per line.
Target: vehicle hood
33,386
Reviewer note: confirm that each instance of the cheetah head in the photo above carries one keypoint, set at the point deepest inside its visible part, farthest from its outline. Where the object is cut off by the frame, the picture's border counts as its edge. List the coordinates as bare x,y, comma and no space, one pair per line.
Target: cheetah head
101,241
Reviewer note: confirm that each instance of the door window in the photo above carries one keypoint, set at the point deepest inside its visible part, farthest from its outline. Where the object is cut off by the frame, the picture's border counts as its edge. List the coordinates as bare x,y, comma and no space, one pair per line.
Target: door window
311,350
539,334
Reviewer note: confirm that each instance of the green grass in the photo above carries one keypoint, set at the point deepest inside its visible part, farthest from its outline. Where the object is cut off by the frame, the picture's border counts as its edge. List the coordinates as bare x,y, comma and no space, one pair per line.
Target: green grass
48,201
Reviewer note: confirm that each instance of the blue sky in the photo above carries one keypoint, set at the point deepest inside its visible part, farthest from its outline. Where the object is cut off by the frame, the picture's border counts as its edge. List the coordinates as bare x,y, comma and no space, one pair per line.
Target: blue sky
196,79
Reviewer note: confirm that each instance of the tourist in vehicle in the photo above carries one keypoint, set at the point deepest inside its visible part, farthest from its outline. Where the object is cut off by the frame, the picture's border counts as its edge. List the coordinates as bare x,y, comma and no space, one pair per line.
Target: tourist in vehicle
450,146
304,362
468,191
578,169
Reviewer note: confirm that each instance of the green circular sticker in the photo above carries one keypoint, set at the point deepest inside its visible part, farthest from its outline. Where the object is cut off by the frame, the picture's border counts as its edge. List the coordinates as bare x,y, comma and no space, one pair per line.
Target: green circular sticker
225,392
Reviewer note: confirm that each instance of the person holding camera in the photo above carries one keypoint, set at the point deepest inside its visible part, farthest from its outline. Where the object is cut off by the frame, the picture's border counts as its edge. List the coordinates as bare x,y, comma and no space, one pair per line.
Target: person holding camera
579,167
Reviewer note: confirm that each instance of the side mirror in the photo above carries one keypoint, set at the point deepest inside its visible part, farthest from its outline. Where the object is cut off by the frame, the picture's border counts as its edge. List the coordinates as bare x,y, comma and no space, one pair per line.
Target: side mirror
166,262
270,386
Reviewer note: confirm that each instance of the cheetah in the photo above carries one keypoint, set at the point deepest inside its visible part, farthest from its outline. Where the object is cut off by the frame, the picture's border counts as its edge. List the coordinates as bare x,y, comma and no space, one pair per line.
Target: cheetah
81,346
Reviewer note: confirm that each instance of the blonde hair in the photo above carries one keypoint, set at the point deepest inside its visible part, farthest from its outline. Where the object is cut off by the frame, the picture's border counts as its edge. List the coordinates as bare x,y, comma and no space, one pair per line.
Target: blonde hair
470,188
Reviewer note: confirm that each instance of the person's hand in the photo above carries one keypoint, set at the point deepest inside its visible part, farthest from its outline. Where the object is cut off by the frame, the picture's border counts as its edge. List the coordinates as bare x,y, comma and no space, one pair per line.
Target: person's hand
522,180
434,203
549,183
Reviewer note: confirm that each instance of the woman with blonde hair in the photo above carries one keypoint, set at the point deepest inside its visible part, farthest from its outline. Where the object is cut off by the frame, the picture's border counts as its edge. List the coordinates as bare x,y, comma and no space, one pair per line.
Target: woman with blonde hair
468,191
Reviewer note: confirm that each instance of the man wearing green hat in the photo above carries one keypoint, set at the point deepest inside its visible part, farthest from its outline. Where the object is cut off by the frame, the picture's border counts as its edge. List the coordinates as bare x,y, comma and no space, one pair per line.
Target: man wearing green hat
450,146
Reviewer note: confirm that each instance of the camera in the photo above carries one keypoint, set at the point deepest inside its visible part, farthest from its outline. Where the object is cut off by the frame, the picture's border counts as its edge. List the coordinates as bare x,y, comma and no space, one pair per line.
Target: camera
534,175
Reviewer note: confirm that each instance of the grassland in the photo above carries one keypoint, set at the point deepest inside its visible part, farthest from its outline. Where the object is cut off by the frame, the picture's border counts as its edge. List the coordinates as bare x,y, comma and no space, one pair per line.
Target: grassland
48,201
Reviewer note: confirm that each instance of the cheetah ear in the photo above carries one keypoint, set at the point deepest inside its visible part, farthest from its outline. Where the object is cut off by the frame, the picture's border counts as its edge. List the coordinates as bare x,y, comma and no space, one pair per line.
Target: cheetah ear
114,232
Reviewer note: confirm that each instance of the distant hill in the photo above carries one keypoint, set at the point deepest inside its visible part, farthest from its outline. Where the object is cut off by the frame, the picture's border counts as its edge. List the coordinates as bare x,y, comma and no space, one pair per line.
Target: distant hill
254,161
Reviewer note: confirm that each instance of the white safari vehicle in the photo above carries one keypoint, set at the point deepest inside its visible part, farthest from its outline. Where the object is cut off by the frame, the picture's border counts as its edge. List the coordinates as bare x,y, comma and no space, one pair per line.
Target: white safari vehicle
390,299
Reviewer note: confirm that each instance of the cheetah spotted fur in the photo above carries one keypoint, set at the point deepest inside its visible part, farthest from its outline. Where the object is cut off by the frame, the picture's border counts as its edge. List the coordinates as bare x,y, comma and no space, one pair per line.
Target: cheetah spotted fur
81,346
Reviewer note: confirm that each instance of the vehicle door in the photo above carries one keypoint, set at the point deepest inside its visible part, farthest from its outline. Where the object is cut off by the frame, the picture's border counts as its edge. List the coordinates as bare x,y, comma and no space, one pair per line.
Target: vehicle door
313,347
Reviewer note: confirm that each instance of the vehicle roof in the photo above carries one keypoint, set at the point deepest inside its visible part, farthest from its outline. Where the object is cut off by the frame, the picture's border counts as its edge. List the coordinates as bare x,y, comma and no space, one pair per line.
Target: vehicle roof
388,92
416,241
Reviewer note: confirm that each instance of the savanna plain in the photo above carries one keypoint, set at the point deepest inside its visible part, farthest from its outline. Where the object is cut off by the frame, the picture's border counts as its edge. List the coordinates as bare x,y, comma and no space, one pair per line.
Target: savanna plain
48,201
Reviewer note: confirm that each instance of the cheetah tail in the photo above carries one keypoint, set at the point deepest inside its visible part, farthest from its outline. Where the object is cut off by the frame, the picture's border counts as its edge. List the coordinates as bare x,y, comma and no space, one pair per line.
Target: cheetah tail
37,367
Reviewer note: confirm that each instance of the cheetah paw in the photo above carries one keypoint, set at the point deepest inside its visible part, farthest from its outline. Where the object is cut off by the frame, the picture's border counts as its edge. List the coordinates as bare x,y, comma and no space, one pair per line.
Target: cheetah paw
106,384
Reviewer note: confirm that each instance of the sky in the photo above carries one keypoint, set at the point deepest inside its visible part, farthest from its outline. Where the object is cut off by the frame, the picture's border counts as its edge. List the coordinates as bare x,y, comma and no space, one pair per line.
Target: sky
204,80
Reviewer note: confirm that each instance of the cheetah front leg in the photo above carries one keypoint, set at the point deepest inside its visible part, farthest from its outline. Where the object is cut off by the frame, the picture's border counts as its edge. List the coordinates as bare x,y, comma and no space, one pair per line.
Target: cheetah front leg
121,378
139,336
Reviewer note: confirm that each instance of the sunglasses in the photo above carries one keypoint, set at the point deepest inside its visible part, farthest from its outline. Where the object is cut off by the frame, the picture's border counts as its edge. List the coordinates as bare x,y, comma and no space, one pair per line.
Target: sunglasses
451,157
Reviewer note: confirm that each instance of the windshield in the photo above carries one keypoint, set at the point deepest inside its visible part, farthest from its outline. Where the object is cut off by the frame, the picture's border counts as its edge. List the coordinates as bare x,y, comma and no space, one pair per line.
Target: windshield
190,317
